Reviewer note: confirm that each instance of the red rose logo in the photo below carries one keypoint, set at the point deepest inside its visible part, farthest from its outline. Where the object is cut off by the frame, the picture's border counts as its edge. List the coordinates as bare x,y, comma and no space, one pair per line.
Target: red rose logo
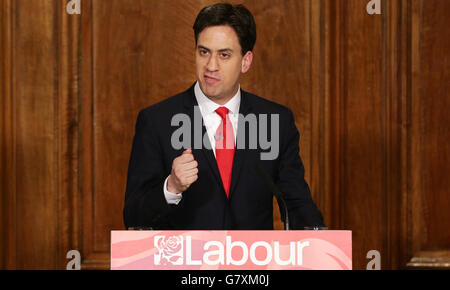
170,250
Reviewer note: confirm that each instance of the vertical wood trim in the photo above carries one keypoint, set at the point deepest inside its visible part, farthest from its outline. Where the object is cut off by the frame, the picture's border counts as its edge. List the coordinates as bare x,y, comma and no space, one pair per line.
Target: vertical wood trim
57,29
419,230
386,98
334,92
69,91
35,86
2,130
90,258
8,136
317,103
328,202
314,53
395,80
405,111
387,82
86,140
414,155
341,93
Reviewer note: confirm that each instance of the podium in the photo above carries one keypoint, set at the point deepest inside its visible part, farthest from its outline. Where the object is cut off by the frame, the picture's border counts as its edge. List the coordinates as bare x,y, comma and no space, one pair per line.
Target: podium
231,250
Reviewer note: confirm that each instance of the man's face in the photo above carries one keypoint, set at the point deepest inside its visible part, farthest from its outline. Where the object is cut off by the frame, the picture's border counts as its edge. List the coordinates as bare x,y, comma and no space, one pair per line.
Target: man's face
219,63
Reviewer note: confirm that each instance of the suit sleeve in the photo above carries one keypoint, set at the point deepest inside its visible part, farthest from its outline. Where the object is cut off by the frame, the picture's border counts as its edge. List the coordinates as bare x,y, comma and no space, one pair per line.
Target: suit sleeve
145,204
291,182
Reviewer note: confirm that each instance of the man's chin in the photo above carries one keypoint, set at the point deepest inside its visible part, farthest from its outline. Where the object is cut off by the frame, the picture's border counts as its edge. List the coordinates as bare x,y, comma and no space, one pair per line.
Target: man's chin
210,91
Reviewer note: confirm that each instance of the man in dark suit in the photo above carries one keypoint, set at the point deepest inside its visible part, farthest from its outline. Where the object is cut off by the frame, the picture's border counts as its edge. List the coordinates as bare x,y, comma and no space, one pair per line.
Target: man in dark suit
203,175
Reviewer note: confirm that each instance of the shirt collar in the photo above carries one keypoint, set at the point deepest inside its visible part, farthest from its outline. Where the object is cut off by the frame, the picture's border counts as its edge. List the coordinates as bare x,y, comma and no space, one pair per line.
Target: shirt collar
207,106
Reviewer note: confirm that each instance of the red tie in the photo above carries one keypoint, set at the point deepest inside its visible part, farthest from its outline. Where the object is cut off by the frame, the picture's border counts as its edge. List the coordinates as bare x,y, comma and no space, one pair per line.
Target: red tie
225,148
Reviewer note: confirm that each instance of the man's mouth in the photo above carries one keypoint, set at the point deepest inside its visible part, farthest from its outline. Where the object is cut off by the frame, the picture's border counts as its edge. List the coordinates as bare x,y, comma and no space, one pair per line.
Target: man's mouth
210,79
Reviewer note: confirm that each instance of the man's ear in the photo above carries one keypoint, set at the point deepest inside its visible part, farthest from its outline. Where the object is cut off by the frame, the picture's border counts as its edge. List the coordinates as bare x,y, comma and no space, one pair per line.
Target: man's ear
247,62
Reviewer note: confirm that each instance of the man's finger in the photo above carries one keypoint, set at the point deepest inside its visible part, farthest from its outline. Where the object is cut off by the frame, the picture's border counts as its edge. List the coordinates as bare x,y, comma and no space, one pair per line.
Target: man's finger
190,165
192,179
186,157
191,172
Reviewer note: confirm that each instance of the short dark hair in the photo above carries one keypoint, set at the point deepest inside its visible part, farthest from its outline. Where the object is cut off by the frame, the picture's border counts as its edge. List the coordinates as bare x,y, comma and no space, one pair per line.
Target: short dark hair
237,17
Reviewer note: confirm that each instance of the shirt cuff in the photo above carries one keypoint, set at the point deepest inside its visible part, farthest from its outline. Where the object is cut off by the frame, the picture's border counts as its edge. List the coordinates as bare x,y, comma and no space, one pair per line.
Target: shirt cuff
171,198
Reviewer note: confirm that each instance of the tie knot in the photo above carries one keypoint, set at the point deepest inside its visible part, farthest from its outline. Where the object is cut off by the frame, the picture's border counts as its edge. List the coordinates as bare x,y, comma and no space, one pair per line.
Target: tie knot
223,112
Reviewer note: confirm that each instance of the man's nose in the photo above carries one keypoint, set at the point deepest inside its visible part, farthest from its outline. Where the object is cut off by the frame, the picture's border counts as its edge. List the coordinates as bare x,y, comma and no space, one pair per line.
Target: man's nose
212,64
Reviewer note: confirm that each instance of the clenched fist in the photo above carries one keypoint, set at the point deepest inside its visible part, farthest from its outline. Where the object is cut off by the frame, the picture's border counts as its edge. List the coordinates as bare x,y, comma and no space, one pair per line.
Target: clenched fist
184,172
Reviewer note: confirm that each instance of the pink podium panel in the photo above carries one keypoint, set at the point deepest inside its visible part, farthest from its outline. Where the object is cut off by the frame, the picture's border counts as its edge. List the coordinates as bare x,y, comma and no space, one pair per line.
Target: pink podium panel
231,250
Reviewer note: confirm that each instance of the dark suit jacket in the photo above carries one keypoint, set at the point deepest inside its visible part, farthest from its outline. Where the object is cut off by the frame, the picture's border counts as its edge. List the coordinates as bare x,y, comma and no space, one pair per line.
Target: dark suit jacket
204,204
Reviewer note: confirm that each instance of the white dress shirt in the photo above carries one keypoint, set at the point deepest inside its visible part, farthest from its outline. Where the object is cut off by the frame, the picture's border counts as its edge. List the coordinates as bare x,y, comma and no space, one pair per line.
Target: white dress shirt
212,122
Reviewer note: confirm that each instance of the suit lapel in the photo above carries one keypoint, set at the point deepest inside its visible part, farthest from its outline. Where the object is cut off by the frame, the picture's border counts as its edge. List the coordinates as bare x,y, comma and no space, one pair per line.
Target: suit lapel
240,154
193,111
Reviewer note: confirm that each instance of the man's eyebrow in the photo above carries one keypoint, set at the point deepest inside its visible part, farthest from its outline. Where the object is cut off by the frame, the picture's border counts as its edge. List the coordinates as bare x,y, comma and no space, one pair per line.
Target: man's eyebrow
226,50
202,47
220,50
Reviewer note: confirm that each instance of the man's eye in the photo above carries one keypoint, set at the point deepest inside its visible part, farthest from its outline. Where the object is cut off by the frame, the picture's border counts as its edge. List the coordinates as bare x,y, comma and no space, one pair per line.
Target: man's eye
203,52
225,55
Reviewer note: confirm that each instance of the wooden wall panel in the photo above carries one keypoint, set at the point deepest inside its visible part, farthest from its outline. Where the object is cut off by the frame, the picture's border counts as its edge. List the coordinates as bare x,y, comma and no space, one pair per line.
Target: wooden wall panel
5,117
396,77
362,186
388,135
69,92
357,125
433,119
428,203
32,190
39,145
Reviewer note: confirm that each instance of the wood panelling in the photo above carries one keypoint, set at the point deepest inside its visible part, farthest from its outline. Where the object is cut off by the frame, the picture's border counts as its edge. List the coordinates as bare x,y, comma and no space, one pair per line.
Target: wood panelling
69,92
362,132
32,160
429,200
396,76
369,94
5,123
385,125
39,134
